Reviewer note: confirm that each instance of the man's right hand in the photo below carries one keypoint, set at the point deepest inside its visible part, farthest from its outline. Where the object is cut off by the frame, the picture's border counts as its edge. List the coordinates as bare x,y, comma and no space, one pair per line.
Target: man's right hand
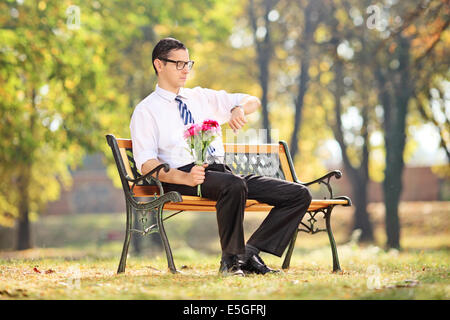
197,175
193,178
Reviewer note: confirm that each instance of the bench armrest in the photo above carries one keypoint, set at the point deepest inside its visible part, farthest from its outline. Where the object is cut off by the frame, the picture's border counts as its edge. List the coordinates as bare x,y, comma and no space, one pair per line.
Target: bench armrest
325,180
149,177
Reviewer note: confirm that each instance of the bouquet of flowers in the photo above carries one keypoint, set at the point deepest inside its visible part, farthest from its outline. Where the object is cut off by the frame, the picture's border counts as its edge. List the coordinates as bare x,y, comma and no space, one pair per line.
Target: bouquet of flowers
199,137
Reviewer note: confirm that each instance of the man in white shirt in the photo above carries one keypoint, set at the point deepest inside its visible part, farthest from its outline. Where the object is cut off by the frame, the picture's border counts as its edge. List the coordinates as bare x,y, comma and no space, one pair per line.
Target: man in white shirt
157,127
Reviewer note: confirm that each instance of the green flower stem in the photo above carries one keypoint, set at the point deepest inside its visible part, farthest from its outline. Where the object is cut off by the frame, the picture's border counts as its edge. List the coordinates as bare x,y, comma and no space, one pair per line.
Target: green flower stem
199,190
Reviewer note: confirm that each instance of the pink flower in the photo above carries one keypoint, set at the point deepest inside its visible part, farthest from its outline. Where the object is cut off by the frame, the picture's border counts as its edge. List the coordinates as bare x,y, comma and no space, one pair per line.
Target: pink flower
193,130
199,137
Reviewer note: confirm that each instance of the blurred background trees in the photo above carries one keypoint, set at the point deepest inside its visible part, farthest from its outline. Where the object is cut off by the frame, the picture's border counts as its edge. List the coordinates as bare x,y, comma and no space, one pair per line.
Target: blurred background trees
346,78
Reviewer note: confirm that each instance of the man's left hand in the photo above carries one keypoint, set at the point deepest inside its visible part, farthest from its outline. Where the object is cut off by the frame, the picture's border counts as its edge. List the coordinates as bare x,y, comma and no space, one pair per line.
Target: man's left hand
238,119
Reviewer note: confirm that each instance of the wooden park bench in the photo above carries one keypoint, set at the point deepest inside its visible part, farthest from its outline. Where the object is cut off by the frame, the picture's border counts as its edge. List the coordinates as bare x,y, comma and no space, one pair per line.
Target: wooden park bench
144,193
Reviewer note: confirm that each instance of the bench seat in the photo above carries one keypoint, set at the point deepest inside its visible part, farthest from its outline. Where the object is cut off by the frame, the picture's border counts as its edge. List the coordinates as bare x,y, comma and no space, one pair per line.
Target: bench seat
193,203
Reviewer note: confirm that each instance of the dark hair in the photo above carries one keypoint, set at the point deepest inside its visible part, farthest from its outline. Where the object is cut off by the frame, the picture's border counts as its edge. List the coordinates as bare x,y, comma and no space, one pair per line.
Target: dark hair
163,48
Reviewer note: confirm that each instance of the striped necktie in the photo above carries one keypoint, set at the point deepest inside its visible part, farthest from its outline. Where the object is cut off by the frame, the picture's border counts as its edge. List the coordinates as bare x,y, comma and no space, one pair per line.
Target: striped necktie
187,118
185,114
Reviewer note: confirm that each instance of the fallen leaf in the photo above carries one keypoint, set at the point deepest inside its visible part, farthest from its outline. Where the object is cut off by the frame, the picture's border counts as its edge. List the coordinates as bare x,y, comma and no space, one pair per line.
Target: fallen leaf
49,271
407,284
36,270
9,294
152,268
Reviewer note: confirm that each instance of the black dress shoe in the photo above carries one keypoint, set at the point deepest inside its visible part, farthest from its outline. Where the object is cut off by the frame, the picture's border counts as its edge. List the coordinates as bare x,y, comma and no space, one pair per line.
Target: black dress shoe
270,269
255,264
231,267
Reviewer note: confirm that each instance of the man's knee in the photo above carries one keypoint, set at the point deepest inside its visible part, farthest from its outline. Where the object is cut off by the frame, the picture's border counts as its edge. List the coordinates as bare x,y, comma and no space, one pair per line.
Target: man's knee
236,184
301,194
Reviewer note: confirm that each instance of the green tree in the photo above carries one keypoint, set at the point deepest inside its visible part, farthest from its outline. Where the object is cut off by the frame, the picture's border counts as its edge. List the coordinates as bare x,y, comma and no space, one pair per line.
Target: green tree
352,97
411,56
56,103
390,62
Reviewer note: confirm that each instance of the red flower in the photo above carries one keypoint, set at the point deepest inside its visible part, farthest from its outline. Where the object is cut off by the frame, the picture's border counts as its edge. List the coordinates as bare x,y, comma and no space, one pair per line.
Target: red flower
211,123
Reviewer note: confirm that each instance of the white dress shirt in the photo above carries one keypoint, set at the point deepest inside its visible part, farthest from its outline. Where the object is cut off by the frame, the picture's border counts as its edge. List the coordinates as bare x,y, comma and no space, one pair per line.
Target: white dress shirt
157,128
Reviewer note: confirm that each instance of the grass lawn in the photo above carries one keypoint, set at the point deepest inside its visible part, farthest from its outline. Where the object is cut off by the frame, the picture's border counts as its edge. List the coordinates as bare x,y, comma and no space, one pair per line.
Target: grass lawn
75,262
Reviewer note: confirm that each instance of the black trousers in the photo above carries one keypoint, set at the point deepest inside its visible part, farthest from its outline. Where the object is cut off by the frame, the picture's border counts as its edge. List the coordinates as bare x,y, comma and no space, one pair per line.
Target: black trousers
230,191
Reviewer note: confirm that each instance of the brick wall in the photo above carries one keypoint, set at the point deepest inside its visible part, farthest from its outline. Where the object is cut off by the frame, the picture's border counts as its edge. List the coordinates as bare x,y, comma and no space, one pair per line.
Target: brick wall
92,191
419,184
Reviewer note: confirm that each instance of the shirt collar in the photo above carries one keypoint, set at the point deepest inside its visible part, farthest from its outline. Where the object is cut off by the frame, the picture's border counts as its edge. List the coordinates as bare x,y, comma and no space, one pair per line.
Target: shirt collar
170,96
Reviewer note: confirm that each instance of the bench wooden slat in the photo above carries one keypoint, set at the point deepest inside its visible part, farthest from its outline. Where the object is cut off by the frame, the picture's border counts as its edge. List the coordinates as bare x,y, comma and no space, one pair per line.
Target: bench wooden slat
246,148
123,153
259,207
125,143
199,208
193,203
285,164
149,191
145,191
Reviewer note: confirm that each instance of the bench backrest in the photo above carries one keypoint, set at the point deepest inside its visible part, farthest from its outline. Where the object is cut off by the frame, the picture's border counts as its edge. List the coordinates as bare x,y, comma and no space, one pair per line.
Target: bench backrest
271,160
123,156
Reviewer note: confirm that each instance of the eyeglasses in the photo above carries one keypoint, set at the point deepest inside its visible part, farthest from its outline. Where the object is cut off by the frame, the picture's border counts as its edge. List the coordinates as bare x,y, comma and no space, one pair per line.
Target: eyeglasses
180,64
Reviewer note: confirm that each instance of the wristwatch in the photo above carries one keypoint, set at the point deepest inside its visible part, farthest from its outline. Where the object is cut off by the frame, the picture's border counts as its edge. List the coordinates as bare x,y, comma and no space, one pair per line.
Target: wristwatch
237,106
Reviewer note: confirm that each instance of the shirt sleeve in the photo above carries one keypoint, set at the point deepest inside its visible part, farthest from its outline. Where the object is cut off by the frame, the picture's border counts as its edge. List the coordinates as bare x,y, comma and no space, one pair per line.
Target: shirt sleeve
144,136
221,103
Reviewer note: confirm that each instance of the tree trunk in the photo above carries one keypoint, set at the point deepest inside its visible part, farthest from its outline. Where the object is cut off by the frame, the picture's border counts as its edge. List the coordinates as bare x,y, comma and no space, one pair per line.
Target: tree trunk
359,177
361,219
303,86
303,83
392,191
23,223
264,50
23,185
264,82
395,112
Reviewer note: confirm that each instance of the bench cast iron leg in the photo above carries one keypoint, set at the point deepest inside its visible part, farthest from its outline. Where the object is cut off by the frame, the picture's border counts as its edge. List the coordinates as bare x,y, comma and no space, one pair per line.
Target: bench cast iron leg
287,258
336,266
165,240
126,243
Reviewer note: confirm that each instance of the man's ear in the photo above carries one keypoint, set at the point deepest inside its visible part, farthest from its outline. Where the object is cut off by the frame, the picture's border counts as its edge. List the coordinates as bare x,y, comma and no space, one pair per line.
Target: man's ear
158,64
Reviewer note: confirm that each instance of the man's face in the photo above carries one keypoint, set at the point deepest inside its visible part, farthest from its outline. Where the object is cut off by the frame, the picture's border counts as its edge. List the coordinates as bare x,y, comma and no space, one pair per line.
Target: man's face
168,70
